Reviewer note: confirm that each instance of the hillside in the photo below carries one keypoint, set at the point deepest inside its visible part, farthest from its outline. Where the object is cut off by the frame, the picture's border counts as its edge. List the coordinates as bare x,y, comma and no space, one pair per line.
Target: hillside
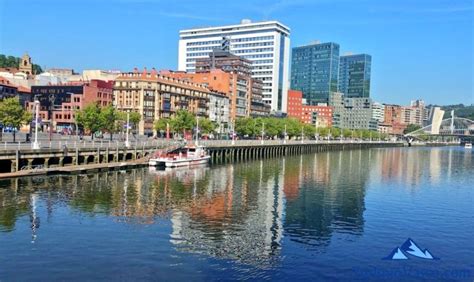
460,110
14,62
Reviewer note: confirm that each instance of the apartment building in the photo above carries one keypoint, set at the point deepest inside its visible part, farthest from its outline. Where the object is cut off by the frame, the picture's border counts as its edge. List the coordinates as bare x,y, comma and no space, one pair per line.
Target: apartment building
156,96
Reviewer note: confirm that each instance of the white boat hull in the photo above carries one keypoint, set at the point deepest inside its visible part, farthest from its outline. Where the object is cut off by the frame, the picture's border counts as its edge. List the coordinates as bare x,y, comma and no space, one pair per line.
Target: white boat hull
179,162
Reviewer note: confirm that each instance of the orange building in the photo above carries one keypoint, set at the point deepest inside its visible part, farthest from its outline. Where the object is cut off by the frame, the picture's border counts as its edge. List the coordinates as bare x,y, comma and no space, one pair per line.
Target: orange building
230,83
393,119
319,115
294,104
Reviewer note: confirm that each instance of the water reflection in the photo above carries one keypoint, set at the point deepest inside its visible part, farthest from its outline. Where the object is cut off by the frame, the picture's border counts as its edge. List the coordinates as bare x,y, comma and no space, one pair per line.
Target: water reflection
239,211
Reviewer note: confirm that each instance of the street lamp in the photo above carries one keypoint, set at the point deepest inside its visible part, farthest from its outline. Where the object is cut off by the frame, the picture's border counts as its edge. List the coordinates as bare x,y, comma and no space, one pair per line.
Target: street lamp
302,134
127,143
263,131
52,97
35,144
284,136
233,133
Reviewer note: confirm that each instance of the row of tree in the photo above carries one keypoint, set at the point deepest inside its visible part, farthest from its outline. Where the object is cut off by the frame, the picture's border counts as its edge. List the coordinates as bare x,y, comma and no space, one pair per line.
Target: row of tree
13,115
14,62
184,121
277,127
94,118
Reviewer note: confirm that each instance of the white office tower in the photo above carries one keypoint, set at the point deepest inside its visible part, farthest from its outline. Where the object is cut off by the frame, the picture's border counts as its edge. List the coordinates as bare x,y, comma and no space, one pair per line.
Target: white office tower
266,44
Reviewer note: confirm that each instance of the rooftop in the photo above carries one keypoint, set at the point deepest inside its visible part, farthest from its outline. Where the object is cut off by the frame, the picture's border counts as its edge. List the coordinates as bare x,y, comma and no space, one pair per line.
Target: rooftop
244,25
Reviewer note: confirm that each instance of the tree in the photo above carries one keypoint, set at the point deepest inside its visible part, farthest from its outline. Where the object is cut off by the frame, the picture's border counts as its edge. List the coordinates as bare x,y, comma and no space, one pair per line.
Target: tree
161,124
293,126
108,117
135,118
245,126
183,120
12,114
309,130
411,128
273,126
90,118
206,126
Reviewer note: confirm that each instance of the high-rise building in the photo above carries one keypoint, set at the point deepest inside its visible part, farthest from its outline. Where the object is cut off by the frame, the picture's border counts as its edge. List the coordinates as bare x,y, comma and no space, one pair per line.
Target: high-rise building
314,71
354,75
265,44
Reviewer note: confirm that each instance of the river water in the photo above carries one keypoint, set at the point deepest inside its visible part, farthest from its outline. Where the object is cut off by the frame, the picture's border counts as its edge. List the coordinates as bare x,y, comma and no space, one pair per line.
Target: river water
325,216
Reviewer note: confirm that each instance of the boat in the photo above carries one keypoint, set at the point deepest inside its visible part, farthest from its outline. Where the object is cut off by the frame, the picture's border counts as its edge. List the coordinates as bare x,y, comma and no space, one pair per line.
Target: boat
185,156
188,155
468,145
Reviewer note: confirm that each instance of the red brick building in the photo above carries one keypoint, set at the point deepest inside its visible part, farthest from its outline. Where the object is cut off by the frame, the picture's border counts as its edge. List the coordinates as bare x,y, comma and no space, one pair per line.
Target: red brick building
294,104
393,120
58,102
321,116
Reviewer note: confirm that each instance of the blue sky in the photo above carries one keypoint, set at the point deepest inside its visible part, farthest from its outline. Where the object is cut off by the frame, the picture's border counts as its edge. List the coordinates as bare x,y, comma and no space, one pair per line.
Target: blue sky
420,48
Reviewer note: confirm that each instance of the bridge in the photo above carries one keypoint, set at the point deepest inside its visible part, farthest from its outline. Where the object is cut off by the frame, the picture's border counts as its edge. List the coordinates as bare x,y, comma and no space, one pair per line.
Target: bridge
462,128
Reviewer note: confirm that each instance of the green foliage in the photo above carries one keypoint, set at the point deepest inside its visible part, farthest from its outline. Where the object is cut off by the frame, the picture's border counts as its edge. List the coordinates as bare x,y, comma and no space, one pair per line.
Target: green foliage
309,130
346,133
293,126
90,118
245,126
14,62
460,110
161,124
206,126
273,126
108,117
135,118
183,120
411,128
12,114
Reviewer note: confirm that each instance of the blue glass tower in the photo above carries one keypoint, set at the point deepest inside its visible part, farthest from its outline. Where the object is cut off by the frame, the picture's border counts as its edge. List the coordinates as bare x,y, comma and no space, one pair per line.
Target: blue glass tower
354,75
314,71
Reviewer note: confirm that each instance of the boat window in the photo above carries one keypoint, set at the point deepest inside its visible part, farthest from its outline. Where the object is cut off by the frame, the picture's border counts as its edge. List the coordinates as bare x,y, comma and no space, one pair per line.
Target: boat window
192,149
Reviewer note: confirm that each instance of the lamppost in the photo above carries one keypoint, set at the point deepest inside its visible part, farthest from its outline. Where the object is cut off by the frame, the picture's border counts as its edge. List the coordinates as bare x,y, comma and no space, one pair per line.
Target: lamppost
35,144
302,134
127,143
51,99
233,132
284,136
263,131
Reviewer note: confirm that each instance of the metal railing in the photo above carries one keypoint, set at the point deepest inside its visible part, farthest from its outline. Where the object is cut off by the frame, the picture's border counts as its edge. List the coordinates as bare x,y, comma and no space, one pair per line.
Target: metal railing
161,143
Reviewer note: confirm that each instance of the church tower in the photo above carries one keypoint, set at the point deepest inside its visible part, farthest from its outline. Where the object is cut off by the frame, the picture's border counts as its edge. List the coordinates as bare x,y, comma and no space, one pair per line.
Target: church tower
25,65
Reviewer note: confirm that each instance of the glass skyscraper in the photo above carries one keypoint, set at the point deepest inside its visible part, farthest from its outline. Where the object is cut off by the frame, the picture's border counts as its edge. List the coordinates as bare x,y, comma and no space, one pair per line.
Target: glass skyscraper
354,75
314,71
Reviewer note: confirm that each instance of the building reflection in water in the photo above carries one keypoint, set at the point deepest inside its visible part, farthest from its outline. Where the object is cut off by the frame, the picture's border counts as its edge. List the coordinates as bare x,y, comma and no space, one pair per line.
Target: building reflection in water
237,211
